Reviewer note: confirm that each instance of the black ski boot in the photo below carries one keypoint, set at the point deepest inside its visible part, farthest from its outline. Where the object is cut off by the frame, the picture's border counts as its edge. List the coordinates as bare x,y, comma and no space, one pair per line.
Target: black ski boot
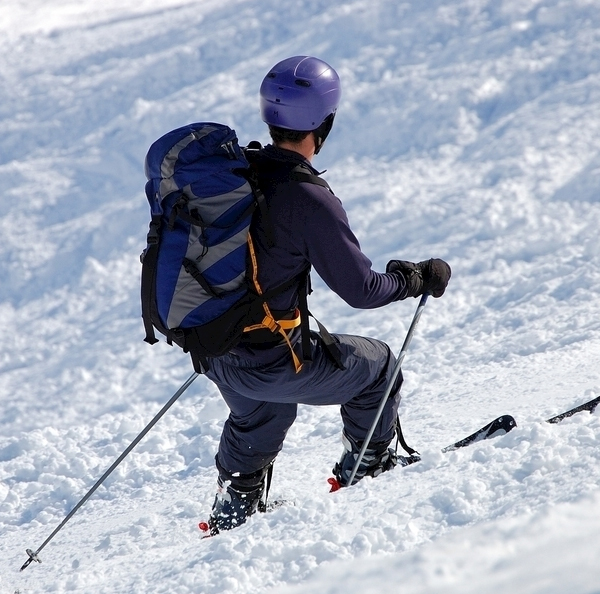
377,459
237,499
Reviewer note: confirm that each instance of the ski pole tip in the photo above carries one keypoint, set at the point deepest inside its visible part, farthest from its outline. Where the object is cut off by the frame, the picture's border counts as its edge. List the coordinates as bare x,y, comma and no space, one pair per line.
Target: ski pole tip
32,557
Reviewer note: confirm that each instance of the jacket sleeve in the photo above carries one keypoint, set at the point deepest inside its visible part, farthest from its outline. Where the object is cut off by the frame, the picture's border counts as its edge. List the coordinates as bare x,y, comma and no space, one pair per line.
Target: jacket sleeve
334,252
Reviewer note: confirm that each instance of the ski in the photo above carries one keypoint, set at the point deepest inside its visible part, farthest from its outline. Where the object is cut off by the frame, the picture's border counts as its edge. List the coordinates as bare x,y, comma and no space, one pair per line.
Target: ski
589,406
500,426
497,427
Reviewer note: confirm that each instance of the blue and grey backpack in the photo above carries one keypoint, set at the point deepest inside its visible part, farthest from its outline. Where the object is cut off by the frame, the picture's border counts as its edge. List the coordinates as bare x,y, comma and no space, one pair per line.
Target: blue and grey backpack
199,282
199,273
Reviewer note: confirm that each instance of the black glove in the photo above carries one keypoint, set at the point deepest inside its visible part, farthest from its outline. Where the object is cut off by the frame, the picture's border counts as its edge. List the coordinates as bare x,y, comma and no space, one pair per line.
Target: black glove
429,276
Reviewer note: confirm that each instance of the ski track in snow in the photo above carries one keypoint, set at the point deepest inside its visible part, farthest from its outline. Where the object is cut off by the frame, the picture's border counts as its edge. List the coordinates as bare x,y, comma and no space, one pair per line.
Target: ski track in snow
468,130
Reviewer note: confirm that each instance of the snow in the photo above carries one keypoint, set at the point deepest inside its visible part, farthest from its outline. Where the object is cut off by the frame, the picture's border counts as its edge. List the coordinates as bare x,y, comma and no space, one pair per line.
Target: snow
468,130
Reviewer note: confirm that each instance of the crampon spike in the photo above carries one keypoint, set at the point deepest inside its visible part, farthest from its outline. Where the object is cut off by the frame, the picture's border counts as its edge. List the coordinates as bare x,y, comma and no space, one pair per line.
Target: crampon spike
335,484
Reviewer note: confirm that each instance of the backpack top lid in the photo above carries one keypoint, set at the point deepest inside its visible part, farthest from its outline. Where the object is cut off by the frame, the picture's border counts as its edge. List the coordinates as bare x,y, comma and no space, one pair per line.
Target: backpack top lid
181,157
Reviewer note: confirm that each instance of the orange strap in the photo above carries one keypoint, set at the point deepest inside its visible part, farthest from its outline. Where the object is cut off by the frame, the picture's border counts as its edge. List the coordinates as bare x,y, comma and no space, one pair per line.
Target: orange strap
269,322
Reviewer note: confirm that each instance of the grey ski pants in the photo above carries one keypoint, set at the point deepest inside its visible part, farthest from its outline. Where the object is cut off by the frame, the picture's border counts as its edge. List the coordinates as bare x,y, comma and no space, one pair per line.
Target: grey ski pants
263,398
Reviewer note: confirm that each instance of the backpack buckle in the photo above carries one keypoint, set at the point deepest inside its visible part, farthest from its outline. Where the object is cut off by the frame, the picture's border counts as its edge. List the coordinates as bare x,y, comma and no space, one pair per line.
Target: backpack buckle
153,234
270,323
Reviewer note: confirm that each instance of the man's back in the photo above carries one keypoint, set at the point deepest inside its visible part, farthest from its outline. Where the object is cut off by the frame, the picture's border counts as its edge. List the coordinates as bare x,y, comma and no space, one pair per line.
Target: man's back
310,227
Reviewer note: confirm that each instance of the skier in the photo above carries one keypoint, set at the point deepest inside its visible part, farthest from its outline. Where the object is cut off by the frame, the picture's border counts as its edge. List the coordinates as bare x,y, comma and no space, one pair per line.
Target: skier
306,226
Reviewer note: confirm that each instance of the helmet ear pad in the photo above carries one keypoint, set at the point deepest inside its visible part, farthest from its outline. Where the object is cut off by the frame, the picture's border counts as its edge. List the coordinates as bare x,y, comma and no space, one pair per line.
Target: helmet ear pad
322,132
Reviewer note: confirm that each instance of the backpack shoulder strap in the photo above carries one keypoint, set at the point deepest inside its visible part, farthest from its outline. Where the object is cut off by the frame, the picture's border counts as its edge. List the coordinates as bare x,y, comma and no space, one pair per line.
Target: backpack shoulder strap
251,175
301,173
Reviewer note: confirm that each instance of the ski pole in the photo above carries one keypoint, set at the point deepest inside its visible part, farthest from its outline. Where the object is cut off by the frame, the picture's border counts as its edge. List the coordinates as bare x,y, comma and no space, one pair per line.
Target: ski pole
386,395
33,555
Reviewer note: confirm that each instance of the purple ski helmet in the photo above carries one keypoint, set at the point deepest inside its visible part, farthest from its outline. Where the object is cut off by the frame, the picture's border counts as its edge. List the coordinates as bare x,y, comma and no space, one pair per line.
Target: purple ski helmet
300,93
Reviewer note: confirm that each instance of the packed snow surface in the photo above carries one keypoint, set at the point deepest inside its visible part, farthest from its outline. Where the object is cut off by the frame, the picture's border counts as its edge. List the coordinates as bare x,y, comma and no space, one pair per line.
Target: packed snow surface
468,130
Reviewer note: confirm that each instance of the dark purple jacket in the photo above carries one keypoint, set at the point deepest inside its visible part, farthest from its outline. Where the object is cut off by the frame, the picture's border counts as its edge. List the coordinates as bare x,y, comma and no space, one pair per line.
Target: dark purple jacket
310,227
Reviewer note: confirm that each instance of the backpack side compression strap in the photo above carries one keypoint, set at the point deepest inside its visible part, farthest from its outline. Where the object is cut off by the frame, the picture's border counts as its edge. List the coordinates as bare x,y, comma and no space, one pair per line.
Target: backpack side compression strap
148,289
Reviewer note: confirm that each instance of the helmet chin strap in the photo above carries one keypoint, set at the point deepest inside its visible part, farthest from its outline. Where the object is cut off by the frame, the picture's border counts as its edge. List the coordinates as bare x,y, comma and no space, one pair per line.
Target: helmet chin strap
322,132
318,143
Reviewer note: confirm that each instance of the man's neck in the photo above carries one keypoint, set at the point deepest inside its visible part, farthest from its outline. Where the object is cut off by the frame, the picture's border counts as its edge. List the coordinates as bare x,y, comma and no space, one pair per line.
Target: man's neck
305,147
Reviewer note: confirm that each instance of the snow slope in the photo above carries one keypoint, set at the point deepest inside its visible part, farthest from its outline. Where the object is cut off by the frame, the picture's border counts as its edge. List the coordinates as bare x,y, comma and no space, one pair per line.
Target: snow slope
468,130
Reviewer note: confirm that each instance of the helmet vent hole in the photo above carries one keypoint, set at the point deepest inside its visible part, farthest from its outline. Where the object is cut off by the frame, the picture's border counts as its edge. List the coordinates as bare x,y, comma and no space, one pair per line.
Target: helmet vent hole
271,75
302,83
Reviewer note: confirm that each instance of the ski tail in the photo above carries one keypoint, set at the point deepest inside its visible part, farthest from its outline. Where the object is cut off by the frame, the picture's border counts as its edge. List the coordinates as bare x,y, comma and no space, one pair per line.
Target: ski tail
497,427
